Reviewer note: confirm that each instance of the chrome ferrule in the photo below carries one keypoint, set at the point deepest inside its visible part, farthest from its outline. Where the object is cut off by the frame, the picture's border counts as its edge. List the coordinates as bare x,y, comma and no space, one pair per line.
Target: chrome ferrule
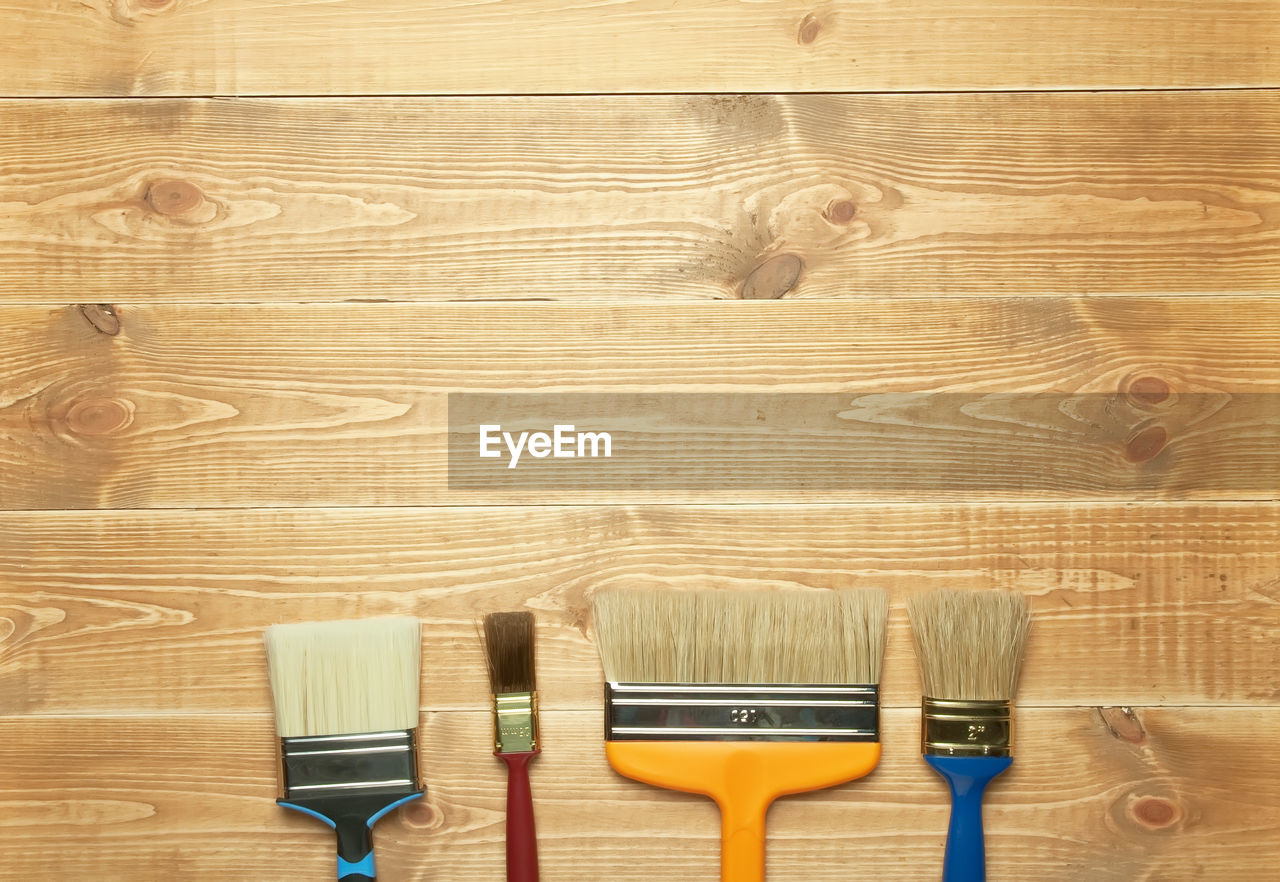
734,712
515,722
363,763
966,728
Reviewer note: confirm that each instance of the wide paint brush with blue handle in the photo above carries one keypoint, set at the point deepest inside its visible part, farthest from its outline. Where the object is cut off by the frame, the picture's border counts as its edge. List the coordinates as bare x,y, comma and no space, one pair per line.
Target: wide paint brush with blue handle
969,646
346,702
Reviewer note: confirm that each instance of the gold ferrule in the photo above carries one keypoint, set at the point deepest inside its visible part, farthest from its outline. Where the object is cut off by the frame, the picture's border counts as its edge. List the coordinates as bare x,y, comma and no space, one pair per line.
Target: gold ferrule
966,728
515,722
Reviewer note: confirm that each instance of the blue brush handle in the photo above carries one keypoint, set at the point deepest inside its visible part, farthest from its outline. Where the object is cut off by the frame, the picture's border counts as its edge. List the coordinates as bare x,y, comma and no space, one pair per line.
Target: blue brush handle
352,819
356,865
967,776
358,871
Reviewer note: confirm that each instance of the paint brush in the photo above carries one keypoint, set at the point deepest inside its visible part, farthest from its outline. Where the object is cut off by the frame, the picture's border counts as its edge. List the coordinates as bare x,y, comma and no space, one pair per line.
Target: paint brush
508,642
969,646
742,696
346,706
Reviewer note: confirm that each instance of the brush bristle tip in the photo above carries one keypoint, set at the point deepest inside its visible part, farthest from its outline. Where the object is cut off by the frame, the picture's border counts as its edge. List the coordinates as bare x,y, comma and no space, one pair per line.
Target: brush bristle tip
508,643
345,677
768,636
969,644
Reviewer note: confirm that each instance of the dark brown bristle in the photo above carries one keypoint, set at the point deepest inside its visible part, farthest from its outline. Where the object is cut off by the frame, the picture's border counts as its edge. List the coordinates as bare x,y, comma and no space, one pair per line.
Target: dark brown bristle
508,641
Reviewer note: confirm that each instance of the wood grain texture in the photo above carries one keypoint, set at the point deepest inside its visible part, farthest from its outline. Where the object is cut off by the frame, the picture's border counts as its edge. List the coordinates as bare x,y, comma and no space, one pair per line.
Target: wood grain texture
1113,795
1133,603
230,47
640,197
190,406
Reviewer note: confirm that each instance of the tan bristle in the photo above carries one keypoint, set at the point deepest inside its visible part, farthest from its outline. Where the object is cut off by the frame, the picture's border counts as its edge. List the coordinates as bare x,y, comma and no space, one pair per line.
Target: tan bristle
660,636
969,644
508,643
345,677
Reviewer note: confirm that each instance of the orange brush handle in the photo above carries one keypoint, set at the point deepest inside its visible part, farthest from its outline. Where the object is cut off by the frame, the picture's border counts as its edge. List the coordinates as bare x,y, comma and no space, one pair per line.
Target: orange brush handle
743,777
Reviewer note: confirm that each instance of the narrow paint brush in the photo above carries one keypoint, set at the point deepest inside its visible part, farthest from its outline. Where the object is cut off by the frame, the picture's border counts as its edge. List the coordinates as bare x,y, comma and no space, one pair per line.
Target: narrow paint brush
742,697
969,646
346,705
508,641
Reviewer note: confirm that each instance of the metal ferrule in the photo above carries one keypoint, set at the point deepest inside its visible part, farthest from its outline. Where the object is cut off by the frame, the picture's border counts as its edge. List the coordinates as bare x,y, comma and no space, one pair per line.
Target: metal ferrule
966,728
730,712
515,722
360,764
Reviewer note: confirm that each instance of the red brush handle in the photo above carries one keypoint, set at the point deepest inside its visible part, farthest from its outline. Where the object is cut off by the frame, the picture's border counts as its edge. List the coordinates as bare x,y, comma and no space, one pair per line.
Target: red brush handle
522,841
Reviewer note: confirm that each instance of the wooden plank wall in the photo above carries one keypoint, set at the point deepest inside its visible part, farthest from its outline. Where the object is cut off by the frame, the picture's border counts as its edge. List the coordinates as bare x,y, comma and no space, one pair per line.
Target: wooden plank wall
248,251
649,198
305,47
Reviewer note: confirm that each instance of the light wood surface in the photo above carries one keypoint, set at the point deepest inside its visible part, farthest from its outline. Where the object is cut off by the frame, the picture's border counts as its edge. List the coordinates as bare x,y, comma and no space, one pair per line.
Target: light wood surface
644,197
302,47
1110,794
988,292
1173,603
251,405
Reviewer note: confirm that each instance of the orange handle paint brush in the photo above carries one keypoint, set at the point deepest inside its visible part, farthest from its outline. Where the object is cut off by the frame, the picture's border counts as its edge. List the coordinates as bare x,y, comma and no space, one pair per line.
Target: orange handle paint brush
744,778
743,697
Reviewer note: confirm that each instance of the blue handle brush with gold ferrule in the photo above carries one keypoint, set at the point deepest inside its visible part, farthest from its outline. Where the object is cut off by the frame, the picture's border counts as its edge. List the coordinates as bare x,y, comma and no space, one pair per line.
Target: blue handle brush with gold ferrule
968,743
970,647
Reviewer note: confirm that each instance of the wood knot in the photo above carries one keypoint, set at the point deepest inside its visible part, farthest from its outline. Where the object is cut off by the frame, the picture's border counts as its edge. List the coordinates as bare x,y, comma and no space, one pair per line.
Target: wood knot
174,198
1155,812
810,27
421,814
1149,390
773,278
102,316
130,13
1123,723
98,416
841,211
1146,445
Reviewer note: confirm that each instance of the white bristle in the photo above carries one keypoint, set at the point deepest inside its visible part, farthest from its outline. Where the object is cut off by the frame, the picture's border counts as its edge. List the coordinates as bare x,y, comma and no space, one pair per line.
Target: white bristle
969,644
345,677
659,636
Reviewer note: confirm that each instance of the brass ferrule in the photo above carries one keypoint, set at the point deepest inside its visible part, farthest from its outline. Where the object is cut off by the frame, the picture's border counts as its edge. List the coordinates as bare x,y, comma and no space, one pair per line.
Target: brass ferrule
966,728
515,722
